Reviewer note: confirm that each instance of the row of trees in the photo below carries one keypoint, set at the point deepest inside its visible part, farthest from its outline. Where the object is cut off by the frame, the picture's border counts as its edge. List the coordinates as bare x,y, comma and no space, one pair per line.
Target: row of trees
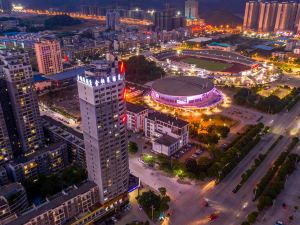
271,104
226,162
277,184
140,70
261,157
262,185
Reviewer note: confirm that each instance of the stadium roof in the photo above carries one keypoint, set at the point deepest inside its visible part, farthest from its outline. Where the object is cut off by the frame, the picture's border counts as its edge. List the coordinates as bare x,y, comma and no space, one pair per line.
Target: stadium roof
182,86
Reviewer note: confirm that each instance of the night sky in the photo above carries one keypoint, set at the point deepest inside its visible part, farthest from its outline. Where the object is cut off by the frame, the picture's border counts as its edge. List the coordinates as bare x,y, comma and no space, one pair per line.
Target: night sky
236,6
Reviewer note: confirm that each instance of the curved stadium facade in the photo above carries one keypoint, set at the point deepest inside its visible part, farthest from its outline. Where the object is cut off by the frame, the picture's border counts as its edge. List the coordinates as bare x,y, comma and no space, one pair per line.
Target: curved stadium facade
186,92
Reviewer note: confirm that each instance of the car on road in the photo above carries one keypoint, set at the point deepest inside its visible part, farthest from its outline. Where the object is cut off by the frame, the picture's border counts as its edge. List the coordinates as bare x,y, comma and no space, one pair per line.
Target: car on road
279,222
114,219
140,208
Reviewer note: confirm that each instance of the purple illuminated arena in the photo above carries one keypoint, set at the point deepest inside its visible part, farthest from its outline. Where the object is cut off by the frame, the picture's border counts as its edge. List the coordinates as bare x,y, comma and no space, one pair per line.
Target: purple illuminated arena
186,92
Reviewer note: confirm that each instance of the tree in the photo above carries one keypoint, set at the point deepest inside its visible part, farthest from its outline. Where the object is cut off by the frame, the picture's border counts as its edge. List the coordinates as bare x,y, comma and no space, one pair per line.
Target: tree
191,165
204,163
140,70
132,147
162,191
252,217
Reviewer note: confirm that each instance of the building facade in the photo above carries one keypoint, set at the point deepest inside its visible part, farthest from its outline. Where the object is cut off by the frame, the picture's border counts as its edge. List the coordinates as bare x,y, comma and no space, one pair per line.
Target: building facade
113,20
5,147
103,114
19,79
267,16
136,117
48,55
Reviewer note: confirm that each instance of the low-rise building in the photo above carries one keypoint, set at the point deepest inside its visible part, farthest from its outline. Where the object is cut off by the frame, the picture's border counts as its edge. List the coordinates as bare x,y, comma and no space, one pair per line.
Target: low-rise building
48,160
136,117
77,205
57,131
166,145
159,126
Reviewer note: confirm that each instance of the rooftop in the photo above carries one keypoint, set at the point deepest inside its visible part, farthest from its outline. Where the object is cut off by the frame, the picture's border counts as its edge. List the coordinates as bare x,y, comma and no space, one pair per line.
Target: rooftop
166,140
182,86
219,44
135,108
62,126
167,119
68,74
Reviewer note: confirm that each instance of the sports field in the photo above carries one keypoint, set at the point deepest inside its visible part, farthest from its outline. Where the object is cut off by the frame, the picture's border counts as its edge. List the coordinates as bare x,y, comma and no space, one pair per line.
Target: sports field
207,64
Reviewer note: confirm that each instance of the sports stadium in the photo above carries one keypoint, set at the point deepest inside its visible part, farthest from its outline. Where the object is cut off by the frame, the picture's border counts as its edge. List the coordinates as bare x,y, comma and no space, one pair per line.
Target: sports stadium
225,67
189,92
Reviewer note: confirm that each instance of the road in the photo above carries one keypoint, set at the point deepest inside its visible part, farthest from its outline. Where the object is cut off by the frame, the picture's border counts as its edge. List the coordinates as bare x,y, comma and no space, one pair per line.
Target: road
187,199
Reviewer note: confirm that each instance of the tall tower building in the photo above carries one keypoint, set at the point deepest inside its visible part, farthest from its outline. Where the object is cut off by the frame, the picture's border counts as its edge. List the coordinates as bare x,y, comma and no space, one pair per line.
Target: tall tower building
113,20
19,79
164,19
192,9
103,113
5,6
251,15
286,16
5,147
48,55
267,16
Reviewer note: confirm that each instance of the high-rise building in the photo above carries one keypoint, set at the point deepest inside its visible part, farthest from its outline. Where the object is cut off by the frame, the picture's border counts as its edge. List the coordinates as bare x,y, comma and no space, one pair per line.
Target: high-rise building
113,20
191,9
251,15
19,80
8,115
267,16
272,16
48,55
164,19
103,114
5,6
286,16
5,147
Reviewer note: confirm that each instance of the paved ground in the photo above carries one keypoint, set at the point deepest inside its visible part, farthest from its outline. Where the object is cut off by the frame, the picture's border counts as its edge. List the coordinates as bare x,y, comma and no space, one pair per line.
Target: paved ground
187,199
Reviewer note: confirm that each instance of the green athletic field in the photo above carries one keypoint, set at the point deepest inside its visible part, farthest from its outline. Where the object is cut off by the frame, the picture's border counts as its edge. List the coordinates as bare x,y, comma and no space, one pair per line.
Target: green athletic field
207,64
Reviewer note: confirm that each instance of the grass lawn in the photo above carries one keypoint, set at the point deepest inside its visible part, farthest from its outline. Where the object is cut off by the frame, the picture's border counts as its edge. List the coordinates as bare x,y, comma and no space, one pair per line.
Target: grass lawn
207,64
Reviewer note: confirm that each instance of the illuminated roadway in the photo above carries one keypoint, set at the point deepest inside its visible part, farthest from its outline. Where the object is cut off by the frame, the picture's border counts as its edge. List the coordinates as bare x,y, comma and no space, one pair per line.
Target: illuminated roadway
187,200
129,21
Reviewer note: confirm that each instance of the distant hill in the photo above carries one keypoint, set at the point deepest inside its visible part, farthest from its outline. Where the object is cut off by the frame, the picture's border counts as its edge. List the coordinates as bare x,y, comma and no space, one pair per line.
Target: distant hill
221,17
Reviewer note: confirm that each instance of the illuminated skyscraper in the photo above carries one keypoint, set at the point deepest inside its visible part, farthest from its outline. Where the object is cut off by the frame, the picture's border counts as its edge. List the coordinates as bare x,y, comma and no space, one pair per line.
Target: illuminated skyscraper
48,55
103,113
286,16
251,15
18,75
267,16
191,9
